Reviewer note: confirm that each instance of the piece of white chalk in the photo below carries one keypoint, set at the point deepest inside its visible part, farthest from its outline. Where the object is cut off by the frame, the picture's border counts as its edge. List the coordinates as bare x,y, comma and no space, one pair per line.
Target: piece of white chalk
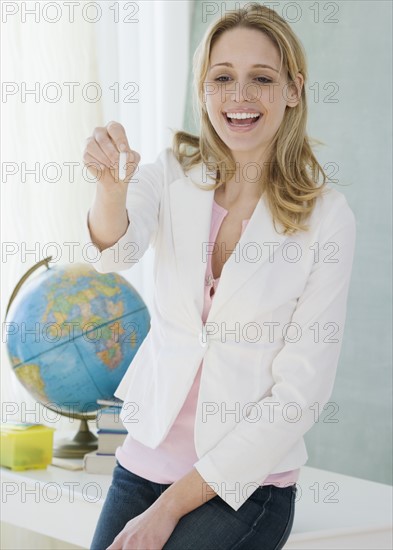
122,165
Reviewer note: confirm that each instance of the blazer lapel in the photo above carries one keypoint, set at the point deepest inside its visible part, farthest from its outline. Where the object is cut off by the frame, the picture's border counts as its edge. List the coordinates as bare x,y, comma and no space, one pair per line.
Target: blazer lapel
191,212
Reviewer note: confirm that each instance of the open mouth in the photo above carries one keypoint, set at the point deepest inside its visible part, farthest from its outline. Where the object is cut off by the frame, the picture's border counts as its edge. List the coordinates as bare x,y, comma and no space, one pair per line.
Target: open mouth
242,123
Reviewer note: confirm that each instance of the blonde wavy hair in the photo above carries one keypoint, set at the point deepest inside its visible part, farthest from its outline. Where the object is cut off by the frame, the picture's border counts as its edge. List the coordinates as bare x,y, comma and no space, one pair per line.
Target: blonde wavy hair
291,173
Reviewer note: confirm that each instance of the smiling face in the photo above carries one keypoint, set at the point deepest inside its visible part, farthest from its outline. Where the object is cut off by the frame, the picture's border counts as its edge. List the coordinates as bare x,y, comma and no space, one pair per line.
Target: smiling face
241,87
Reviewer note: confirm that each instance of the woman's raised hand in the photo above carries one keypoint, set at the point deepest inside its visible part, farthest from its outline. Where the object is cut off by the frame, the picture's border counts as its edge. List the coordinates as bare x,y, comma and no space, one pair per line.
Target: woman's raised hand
102,153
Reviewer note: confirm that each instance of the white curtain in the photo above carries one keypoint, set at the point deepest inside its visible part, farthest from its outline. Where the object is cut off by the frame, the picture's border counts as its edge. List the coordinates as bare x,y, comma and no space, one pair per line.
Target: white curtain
137,51
146,61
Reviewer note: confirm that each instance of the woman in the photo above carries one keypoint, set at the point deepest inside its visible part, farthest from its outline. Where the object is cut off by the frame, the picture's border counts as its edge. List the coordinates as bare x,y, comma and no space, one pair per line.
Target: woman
232,484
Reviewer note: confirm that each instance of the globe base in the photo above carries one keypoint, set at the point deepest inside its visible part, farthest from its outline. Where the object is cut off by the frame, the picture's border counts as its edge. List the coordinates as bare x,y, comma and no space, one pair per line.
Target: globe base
84,442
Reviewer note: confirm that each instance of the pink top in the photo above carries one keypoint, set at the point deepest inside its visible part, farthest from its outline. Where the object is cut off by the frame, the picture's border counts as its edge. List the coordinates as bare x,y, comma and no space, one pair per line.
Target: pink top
176,455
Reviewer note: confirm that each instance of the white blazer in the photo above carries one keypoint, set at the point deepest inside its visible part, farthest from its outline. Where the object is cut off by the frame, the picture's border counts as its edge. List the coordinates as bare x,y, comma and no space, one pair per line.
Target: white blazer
264,383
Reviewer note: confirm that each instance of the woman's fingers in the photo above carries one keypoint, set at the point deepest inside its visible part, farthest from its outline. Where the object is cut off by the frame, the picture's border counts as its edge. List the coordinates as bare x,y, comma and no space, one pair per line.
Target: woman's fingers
95,151
118,135
106,144
105,150
93,165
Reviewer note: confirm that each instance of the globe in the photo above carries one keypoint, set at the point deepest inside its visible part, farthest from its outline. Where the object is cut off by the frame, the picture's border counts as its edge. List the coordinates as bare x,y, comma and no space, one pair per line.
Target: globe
71,334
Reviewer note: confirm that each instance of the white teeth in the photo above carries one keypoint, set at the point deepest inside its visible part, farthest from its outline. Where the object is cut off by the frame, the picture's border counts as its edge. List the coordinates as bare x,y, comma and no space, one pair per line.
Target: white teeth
242,115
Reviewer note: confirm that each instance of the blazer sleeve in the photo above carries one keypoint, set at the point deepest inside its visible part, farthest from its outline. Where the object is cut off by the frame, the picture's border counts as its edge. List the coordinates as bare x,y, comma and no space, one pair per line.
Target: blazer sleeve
303,371
142,204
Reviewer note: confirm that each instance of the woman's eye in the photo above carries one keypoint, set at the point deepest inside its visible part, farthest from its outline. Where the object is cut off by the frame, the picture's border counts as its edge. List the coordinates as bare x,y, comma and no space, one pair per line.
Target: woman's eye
262,79
265,80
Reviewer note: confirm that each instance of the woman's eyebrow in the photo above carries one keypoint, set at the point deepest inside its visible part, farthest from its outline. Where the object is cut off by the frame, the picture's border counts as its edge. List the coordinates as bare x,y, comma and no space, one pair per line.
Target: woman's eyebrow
260,65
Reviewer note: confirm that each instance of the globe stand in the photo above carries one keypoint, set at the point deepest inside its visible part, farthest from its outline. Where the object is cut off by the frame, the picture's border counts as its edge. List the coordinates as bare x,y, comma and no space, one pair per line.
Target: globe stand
83,442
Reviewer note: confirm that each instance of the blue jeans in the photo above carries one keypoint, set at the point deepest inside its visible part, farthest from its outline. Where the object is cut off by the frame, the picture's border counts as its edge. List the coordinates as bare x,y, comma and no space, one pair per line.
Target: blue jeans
263,522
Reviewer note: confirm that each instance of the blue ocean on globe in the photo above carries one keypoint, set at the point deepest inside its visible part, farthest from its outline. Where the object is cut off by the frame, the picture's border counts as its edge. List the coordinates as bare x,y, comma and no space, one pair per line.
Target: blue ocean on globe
72,333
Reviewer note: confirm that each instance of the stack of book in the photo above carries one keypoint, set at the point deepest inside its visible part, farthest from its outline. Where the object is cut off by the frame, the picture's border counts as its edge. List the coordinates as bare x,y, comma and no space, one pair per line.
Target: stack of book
111,434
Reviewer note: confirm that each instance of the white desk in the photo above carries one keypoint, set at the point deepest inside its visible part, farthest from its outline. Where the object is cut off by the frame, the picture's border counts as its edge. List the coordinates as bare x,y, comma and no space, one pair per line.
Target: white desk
66,505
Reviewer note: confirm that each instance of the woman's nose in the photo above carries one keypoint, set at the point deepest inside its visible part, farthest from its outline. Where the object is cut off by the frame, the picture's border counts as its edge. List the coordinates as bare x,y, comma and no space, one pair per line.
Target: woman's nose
242,91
